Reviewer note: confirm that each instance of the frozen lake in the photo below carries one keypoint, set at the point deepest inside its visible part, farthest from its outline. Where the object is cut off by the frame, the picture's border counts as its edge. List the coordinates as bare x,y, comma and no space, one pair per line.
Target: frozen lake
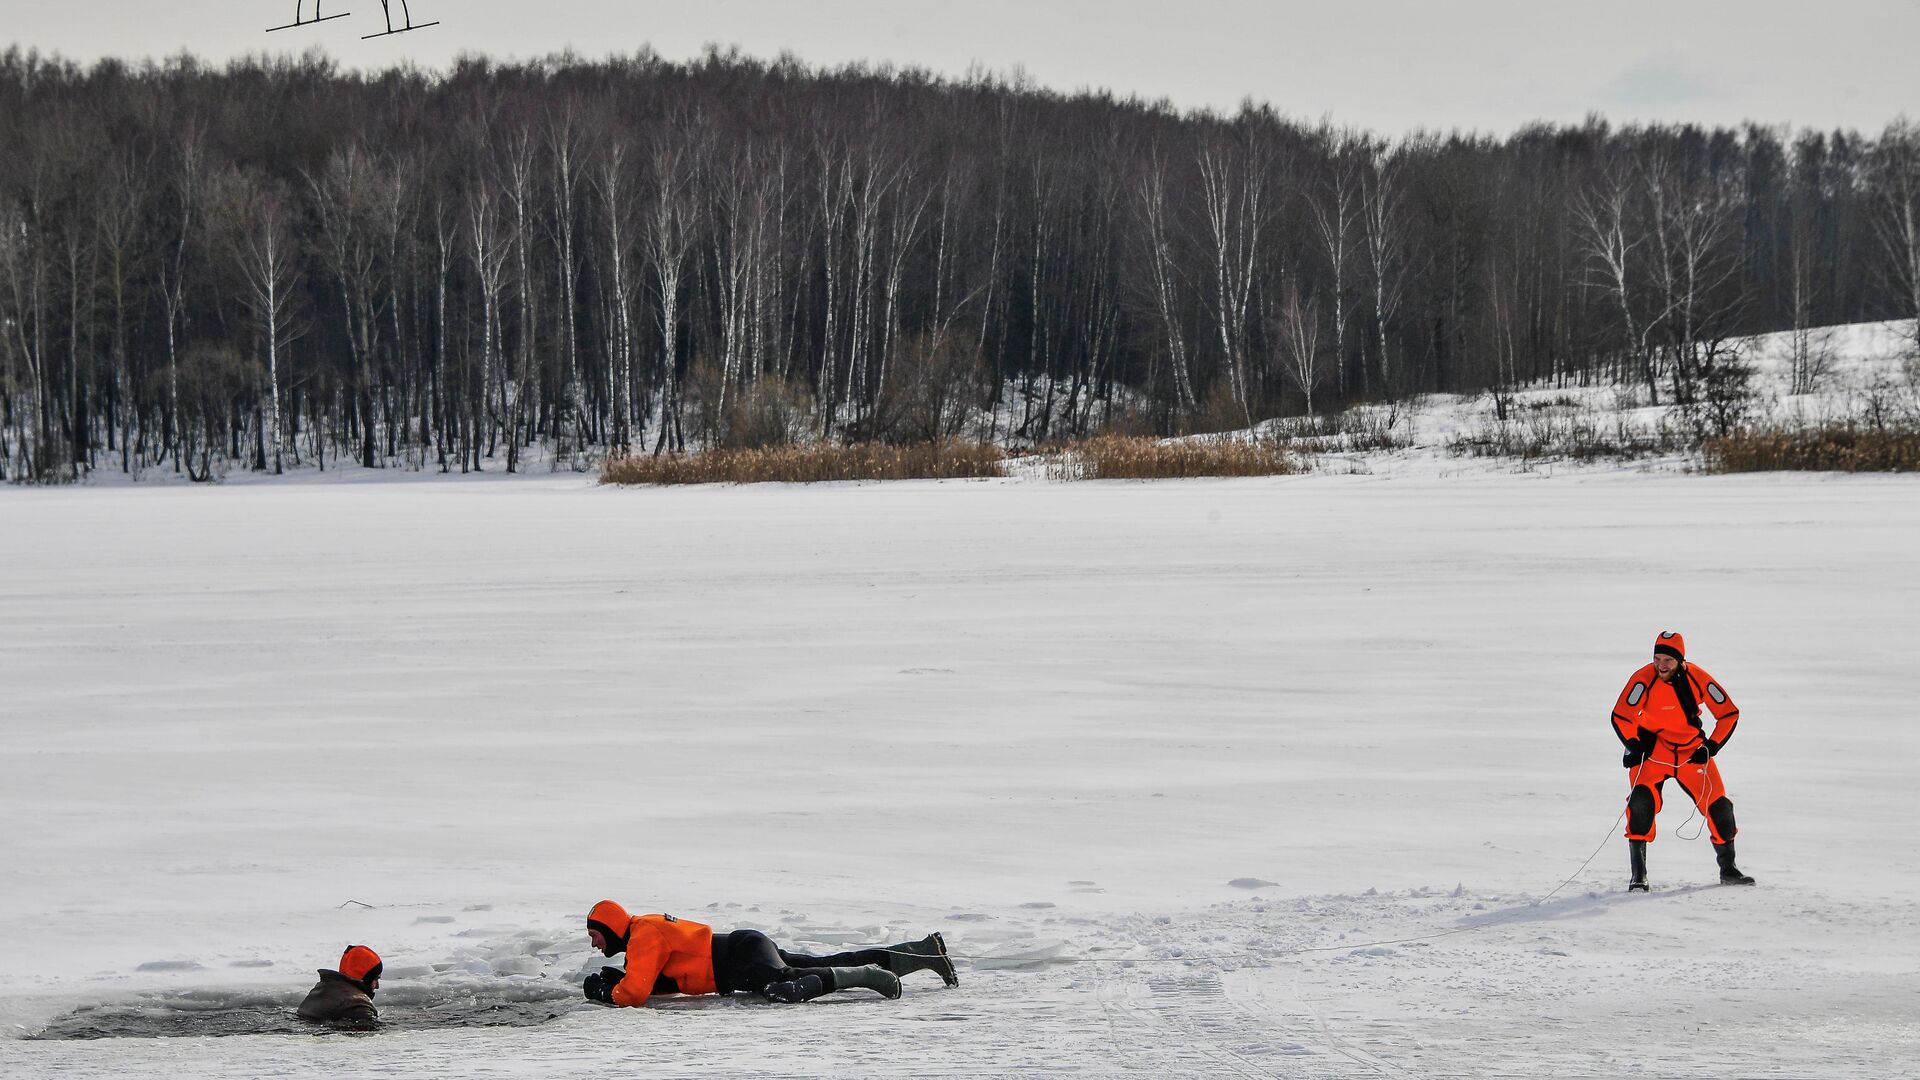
1204,726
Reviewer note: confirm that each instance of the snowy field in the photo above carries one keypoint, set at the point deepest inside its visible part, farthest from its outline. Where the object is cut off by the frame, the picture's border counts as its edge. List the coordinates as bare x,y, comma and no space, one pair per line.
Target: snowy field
1264,778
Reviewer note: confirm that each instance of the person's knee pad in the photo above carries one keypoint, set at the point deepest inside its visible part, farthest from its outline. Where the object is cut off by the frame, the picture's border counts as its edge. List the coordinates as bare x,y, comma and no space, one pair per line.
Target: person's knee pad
1640,810
1722,814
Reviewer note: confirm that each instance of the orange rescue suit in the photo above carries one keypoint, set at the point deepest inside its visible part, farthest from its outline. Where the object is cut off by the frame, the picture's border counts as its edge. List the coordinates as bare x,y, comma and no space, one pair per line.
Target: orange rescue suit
661,945
1649,705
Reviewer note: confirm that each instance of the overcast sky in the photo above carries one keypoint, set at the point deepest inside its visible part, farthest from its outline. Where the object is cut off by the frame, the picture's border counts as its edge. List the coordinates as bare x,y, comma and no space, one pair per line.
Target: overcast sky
1387,65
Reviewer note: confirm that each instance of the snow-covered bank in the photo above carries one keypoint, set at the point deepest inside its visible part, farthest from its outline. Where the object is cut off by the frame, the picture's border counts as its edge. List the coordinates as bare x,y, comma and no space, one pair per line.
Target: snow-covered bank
1866,372
1044,719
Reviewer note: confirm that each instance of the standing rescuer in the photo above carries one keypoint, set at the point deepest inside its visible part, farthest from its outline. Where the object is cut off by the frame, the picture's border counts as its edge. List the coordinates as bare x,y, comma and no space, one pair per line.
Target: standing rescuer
666,955
347,994
1657,718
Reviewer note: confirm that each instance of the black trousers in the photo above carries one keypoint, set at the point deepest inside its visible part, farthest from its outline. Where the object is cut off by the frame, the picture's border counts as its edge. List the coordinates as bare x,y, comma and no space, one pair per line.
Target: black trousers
748,960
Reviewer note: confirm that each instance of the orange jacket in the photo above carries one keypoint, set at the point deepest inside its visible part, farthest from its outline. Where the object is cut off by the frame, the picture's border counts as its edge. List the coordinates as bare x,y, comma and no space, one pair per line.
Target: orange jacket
659,945
1649,705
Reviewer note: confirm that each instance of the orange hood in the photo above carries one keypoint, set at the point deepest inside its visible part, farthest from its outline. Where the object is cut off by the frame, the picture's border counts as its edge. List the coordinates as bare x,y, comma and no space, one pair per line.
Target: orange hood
611,920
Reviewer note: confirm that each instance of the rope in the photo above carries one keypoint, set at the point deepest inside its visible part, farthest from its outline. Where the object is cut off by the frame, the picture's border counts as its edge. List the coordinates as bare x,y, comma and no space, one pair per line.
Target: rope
1318,948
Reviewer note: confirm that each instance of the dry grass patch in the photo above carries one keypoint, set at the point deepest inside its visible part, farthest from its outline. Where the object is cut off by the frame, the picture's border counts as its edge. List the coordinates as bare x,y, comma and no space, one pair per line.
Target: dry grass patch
1843,448
809,464
1122,457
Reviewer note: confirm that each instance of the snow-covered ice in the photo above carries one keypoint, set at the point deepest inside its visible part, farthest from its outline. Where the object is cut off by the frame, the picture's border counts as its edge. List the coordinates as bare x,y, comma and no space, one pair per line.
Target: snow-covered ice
1245,777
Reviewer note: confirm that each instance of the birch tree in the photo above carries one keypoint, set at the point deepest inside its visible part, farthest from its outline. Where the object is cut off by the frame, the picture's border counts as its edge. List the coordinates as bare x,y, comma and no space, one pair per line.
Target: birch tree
1383,232
1897,168
566,156
668,237
1234,168
490,250
1336,206
1164,277
1298,331
262,243
1611,240
343,197
615,185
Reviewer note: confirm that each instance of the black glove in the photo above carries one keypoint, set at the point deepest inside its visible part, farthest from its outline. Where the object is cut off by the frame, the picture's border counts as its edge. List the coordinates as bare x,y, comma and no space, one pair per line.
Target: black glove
1639,748
1701,755
599,987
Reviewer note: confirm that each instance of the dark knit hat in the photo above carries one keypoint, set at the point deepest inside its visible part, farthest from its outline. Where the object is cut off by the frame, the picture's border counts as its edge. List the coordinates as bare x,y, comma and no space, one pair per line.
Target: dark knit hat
361,964
1670,643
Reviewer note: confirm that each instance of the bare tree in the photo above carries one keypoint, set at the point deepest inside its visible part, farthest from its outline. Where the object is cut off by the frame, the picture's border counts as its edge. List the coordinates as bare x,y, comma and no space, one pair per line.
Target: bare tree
261,240
904,225
489,248
1810,352
616,186
1383,231
668,238
445,213
1898,166
1298,331
1337,205
344,194
1234,166
120,226
518,184
739,224
1610,240
567,156
186,181
1151,208
1693,219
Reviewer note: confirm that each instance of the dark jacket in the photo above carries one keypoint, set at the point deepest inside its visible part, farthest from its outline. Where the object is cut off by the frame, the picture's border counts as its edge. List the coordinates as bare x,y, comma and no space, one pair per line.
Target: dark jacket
336,997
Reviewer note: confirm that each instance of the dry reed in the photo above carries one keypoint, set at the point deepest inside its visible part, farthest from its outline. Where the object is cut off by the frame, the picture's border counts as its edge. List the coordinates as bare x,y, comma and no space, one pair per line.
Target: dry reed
1842,448
1122,457
809,464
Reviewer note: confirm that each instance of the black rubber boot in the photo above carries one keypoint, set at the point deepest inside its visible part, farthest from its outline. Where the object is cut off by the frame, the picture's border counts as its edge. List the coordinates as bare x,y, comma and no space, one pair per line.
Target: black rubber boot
879,980
1637,861
927,954
1729,873
804,988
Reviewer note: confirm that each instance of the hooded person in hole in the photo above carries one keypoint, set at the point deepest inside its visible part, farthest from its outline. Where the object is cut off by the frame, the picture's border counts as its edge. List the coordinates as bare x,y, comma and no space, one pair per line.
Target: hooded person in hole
668,955
346,996
1657,719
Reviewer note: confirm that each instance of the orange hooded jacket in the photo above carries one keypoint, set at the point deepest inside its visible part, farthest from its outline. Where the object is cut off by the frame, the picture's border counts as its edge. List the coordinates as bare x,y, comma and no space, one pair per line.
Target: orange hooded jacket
657,945
1648,704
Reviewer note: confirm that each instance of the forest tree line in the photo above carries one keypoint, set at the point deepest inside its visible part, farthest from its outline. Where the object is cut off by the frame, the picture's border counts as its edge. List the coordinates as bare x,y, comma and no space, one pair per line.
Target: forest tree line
277,263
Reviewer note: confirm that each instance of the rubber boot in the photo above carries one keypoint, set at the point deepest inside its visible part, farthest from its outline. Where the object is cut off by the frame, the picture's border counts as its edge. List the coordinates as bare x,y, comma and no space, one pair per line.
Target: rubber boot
879,980
1637,860
927,954
1729,873
804,988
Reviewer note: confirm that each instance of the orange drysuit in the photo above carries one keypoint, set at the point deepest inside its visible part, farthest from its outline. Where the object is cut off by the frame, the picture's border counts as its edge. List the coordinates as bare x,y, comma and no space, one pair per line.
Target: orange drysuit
657,945
1652,716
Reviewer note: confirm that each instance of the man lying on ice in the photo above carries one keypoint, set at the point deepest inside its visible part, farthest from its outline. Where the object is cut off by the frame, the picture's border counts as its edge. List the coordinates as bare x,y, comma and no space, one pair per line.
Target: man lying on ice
666,955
